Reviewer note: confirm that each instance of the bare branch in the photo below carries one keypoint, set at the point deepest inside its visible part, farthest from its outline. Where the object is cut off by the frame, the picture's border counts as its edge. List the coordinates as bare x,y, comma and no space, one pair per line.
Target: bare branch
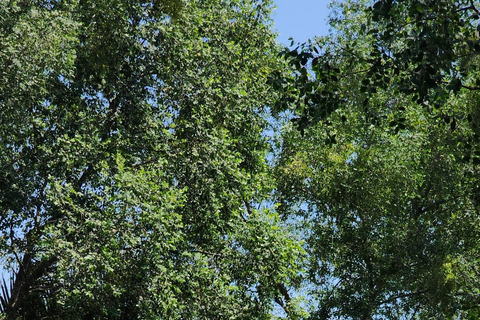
474,8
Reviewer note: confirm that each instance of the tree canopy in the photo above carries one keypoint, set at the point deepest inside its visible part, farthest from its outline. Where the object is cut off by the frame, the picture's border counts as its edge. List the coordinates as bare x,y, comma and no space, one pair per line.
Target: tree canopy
168,160
133,161
378,165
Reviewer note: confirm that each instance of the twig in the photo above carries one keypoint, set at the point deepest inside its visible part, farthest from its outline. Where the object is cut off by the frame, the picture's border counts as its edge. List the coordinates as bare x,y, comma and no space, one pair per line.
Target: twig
405,295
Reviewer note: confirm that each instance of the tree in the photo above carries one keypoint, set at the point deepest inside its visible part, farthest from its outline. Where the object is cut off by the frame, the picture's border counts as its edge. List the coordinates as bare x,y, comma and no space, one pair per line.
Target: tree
133,161
378,160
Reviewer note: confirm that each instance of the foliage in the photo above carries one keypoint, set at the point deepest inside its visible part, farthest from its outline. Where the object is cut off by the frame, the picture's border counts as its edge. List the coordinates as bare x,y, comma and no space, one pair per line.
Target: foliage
133,161
426,49
137,180
378,165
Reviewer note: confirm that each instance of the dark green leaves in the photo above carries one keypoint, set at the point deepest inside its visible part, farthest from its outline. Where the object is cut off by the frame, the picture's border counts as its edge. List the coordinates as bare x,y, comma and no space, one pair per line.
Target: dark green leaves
383,177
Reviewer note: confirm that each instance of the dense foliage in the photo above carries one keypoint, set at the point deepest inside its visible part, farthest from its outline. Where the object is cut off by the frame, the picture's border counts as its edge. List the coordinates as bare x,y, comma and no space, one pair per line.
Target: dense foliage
133,161
379,165
166,160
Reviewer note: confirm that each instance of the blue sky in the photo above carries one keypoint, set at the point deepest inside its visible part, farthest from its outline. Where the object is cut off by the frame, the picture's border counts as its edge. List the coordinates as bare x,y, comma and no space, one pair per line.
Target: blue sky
300,19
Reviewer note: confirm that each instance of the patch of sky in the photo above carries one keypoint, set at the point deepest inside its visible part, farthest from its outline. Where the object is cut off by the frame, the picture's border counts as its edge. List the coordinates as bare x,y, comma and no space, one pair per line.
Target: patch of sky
301,19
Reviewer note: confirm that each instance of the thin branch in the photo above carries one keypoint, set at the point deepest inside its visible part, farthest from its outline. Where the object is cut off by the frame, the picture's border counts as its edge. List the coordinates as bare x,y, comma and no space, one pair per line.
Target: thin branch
249,210
474,8
12,241
470,88
207,253
464,9
354,72
83,178
405,295
464,86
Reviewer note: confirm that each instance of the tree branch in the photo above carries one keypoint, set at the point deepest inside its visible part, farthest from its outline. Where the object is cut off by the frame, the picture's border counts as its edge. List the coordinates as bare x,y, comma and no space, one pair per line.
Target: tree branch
285,295
24,279
473,7
464,86
404,295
